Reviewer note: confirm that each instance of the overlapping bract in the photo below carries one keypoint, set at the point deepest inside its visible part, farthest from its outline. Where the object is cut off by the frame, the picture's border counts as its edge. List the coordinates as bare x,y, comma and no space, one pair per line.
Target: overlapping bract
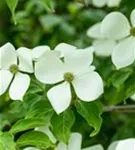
66,66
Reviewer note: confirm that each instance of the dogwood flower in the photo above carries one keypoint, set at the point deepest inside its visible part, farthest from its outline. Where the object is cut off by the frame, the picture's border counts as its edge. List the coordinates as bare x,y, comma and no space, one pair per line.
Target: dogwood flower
75,71
116,26
109,3
102,46
12,65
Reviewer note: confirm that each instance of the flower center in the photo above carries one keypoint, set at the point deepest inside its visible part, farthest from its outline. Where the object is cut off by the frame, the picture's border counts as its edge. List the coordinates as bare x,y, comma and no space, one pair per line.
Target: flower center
69,77
132,31
14,69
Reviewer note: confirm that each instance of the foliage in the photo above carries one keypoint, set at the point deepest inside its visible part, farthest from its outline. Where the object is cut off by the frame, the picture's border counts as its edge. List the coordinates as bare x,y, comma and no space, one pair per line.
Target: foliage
31,23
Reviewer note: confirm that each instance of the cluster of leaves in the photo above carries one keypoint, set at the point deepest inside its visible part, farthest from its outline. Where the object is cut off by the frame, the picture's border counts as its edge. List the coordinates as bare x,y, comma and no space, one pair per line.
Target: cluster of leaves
54,22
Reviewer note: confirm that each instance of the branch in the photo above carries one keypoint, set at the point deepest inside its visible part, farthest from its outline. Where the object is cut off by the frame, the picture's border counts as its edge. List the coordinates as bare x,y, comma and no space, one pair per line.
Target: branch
124,108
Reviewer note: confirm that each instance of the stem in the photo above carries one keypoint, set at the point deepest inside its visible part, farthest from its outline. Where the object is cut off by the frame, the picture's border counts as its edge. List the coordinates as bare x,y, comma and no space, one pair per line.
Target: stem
124,108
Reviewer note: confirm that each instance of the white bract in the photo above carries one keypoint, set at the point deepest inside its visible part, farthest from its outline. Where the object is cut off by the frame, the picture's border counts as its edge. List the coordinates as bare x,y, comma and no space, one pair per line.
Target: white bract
116,26
40,52
102,46
109,3
74,71
12,65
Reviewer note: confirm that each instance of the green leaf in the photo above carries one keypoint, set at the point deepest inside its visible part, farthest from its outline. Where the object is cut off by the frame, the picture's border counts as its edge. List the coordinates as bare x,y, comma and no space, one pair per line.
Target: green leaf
62,125
48,5
41,109
120,77
114,95
91,112
7,141
35,139
26,124
49,21
12,5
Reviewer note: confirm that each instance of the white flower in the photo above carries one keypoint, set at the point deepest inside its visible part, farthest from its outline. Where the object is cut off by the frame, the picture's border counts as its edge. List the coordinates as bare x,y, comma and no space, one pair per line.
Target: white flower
11,72
75,71
109,3
102,46
116,26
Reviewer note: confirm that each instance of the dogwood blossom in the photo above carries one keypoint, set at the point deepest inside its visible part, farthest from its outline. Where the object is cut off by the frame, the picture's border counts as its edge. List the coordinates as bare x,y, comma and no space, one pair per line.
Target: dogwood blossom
12,65
109,3
116,26
74,71
102,46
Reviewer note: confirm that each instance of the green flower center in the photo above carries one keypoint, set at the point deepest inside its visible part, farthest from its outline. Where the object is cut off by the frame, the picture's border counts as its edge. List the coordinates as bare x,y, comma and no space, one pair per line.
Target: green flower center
14,69
132,31
69,77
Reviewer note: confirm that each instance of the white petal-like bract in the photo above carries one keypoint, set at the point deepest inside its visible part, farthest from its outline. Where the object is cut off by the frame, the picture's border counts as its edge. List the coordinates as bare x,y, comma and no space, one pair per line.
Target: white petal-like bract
39,51
25,60
94,31
132,17
104,47
49,70
19,86
75,141
115,26
124,53
99,3
60,97
8,56
88,86
5,79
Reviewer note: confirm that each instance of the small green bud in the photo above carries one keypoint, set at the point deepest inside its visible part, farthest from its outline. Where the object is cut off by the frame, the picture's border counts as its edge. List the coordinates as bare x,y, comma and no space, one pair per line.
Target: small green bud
69,77
14,69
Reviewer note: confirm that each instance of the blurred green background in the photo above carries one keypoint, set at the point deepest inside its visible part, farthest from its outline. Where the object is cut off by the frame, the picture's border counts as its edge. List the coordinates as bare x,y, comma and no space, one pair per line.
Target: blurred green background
69,23
36,26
